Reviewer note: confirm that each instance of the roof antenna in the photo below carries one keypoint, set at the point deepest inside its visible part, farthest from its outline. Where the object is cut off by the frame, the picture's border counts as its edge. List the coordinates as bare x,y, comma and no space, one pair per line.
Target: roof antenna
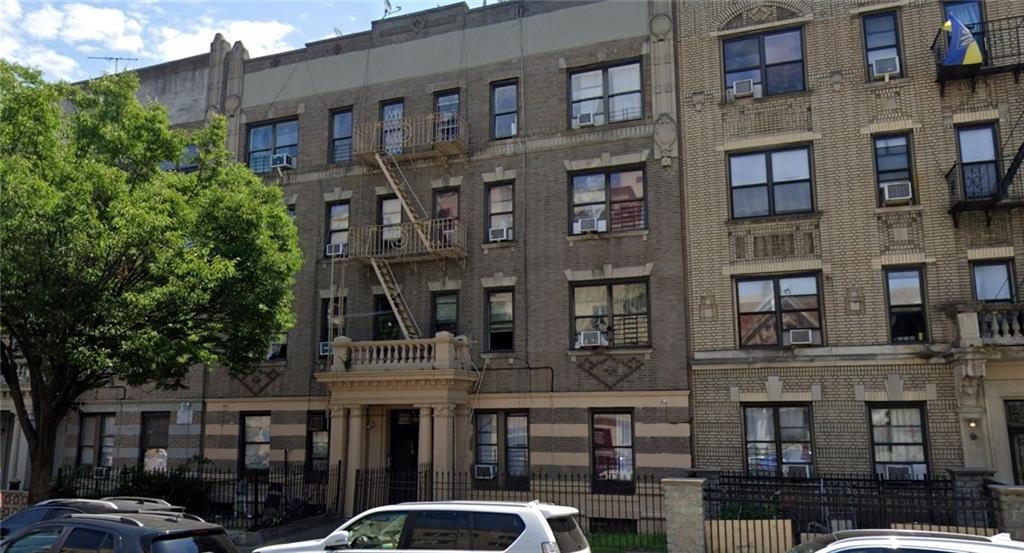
337,32
114,59
388,9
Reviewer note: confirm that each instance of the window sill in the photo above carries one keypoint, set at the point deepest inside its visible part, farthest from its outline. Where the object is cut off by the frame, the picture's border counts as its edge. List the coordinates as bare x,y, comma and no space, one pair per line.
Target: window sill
493,355
749,101
895,81
789,218
574,353
899,209
609,126
486,247
642,233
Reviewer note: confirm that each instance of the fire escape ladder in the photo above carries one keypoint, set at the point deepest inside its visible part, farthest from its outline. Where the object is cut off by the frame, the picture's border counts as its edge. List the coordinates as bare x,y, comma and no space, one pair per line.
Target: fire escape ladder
410,202
1014,167
393,292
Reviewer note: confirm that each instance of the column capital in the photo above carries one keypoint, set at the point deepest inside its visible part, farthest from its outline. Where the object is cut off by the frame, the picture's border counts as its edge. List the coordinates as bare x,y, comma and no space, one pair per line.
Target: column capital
357,411
444,409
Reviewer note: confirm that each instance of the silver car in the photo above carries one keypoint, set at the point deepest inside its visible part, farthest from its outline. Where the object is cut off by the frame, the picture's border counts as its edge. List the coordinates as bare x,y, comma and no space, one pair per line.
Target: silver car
908,541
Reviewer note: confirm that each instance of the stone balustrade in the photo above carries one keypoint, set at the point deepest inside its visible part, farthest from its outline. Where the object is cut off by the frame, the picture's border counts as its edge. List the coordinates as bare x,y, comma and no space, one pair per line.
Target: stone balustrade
443,351
991,324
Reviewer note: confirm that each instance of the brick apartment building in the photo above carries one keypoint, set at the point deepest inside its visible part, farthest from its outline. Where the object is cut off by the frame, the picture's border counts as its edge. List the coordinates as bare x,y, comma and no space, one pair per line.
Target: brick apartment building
854,286
488,206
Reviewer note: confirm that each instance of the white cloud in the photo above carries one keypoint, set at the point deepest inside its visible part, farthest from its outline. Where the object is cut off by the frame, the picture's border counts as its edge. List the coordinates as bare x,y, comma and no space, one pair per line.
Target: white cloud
259,37
44,22
9,11
53,65
83,23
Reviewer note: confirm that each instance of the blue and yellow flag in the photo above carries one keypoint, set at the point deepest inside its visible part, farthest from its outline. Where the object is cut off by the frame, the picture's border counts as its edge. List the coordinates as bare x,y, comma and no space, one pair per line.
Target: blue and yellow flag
963,48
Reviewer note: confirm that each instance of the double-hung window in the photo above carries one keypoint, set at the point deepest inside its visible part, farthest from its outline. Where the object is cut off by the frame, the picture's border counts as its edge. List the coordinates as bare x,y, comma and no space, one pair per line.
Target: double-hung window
266,141
153,440
337,229
898,441
608,201
504,109
906,305
619,313
772,62
341,136
446,204
318,439
446,312
446,106
500,321
612,449
970,13
606,95
778,439
486,446
771,183
500,212
993,281
96,439
978,160
517,449
512,466
881,45
892,169
255,442
779,311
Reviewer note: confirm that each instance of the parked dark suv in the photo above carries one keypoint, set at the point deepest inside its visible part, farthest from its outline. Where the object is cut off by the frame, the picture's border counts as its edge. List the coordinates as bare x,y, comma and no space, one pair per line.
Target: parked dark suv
53,508
144,532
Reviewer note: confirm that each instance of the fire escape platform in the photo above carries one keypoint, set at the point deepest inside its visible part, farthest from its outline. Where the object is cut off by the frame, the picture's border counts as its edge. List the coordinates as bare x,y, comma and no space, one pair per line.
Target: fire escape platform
432,136
1002,46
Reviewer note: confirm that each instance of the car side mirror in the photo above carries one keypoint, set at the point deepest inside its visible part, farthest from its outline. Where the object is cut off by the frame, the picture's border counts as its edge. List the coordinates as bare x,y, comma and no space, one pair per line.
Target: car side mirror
337,539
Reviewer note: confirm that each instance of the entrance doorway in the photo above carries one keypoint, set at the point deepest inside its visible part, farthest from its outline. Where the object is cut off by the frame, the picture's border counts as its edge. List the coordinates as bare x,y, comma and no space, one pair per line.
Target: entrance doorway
403,455
1015,431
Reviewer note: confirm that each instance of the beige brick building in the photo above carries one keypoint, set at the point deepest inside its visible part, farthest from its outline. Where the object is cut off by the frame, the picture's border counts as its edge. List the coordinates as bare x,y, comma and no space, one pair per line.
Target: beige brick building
842,243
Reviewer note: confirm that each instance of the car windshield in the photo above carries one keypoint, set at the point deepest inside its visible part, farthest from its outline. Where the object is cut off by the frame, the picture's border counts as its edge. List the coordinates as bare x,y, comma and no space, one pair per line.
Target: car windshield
205,543
17,521
568,535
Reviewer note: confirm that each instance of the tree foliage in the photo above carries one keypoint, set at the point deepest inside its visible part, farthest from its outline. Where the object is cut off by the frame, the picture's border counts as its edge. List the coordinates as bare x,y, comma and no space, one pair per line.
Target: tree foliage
113,268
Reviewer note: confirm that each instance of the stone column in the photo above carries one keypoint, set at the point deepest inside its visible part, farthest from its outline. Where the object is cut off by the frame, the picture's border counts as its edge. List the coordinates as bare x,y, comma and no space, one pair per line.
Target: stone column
684,509
444,436
1010,513
339,445
463,439
426,444
356,455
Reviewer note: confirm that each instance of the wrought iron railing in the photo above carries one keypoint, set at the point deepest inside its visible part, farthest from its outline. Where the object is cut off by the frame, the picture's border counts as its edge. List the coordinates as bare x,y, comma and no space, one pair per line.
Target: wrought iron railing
978,183
414,239
1002,48
443,133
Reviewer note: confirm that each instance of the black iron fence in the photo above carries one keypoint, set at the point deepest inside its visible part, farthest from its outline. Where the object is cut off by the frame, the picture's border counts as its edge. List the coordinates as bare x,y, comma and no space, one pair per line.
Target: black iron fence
240,500
616,518
768,514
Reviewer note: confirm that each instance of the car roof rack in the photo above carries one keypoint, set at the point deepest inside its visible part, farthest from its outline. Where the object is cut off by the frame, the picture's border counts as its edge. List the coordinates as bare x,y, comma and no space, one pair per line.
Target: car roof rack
137,499
107,516
173,515
105,502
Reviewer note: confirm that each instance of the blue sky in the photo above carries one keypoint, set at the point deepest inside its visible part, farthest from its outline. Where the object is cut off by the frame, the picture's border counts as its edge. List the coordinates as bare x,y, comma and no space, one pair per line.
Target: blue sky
58,37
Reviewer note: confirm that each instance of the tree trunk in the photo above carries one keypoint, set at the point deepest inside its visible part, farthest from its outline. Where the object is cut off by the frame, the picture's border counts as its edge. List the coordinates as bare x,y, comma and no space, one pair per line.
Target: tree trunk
41,457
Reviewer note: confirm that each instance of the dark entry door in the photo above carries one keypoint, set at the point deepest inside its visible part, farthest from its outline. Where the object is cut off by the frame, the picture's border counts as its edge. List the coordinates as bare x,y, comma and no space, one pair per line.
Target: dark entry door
403,454
1015,431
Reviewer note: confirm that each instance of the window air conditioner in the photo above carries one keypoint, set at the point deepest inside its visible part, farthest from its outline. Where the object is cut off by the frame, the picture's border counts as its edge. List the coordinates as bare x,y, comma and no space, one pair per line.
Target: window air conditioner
585,119
317,424
797,471
588,224
592,339
283,161
801,337
336,249
898,472
897,192
883,68
743,88
501,234
484,472
325,349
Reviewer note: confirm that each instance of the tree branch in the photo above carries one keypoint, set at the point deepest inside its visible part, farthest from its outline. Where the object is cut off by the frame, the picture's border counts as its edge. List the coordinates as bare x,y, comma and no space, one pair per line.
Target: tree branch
9,368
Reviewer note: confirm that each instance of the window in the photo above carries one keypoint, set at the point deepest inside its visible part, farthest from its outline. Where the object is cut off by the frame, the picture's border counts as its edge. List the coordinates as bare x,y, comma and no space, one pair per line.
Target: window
332,319
500,323
278,348
208,543
771,183
881,41
377,531
441,530
446,312
255,442
504,109
318,441
290,210
153,440
774,306
892,163
979,166
341,136
897,439
612,447
774,62
619,311
607,95
188,162
517,449
337,229
568,535
389,217
385,324
778,440
487,439
392,128
40,541
496,531
81,540
96,440
993,281
906,305
615,196
500,213
446,104
22,519
969,13
268,140
446,204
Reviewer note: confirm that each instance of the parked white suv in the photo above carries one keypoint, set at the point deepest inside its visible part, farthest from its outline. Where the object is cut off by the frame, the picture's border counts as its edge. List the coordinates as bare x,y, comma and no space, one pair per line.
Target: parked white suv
453,526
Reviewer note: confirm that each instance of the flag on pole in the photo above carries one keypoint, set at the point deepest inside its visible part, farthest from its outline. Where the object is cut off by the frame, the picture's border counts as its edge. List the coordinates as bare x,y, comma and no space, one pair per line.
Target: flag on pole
963,47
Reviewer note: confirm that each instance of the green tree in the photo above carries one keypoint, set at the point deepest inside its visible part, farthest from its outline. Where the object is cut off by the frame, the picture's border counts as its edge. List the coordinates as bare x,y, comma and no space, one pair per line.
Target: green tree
113,268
